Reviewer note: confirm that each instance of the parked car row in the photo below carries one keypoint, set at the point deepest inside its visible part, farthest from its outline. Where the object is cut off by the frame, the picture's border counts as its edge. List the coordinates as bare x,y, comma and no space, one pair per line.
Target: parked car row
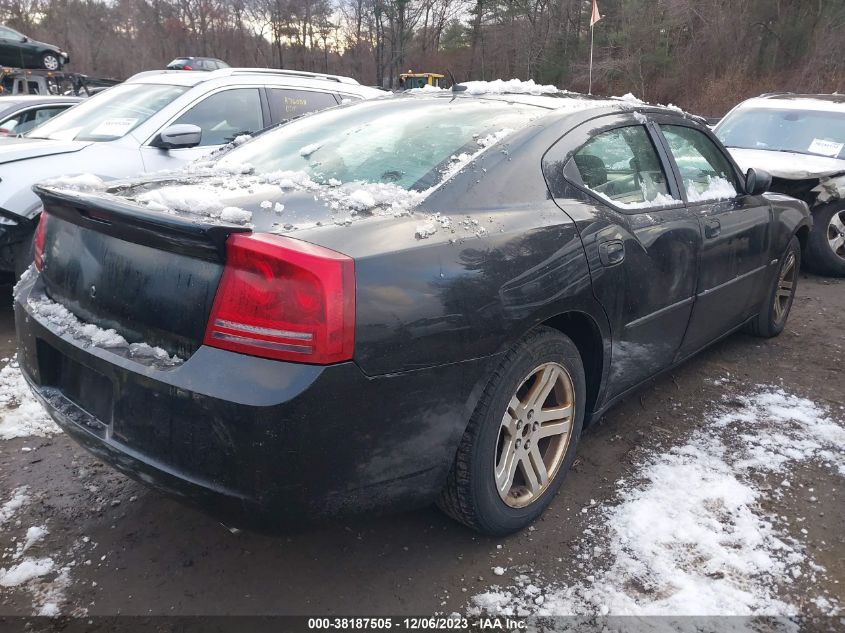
155,120
389,302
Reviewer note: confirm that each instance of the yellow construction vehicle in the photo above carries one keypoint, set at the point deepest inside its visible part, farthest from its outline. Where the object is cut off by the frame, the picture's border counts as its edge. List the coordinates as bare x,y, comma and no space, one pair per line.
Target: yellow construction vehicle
411,79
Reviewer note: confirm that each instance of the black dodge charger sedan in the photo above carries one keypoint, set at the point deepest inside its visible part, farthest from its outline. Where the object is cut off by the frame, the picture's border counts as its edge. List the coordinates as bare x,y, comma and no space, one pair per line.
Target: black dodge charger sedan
413,299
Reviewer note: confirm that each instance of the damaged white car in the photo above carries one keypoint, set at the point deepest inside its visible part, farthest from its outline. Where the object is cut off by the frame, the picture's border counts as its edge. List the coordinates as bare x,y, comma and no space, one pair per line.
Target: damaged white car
800,140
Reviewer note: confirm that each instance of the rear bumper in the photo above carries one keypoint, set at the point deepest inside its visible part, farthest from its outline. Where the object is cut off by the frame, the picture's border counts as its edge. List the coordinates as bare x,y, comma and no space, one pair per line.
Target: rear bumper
255,442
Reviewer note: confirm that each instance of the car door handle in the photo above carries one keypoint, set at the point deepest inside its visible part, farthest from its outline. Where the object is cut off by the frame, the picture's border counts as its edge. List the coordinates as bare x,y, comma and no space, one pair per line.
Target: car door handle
712,228
612,252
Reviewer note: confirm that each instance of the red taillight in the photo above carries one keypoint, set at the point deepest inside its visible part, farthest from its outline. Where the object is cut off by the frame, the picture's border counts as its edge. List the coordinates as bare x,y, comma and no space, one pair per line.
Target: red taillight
40,232
284,299
186,68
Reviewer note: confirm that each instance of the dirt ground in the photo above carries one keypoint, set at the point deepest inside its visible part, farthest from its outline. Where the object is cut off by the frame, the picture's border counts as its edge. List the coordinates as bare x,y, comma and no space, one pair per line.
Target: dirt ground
137,552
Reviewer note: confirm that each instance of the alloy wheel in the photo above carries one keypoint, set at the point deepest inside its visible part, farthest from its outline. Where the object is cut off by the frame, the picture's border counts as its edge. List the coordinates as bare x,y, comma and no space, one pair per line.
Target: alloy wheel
836,234
534,435
786,287
51,62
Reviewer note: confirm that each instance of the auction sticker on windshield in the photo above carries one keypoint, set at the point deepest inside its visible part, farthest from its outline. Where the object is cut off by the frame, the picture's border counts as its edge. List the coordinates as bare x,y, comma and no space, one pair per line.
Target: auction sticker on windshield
114,127
825,148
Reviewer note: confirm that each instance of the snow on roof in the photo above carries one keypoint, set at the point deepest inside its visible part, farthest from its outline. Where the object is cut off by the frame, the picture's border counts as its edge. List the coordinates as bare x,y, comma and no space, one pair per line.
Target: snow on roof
511,86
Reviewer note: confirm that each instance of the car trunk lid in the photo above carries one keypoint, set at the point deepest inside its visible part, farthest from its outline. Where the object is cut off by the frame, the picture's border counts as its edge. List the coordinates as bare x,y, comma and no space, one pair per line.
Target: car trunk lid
150,276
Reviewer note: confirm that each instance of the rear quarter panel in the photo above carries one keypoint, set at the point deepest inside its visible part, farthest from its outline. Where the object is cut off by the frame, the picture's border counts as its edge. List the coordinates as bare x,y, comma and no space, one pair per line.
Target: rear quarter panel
507,259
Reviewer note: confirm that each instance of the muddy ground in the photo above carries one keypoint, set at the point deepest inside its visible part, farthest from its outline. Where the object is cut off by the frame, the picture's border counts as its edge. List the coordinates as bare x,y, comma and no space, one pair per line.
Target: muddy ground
137,552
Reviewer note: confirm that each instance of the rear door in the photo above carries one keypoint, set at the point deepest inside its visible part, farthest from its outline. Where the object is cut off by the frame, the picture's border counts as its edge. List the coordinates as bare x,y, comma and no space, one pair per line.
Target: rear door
734,228
642,244
289,103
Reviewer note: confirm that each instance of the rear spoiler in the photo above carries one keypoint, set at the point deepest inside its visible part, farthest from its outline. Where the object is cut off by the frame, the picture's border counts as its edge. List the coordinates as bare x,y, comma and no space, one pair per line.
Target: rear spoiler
130,222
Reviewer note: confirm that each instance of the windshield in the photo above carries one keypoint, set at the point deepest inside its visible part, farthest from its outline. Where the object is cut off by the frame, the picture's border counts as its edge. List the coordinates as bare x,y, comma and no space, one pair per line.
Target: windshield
110,114
801,131
409,142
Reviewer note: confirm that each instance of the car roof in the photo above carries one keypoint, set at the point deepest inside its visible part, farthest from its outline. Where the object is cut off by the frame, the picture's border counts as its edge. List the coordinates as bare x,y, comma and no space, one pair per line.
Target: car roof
564,102
181,78
794,101
215,59
27,100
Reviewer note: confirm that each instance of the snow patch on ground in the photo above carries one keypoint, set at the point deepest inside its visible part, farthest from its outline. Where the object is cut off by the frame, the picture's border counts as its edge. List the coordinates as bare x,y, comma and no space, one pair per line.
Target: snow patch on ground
44,576
18,499
21,415
65,322
25,571
688,535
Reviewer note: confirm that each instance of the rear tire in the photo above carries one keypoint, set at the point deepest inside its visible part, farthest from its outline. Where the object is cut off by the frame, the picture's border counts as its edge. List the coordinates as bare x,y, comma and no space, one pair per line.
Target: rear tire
51,61
828,232
521,439
774,313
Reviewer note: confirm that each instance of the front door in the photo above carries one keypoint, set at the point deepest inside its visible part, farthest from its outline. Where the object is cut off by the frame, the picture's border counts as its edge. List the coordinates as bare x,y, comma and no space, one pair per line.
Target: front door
735,231
222,117
642,248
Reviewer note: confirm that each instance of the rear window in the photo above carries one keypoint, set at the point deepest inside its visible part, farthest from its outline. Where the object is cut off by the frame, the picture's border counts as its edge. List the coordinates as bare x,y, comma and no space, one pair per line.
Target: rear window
407,142
289,104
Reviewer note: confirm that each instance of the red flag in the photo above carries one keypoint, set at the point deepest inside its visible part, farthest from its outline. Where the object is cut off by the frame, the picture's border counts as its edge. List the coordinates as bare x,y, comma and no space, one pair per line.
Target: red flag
595,17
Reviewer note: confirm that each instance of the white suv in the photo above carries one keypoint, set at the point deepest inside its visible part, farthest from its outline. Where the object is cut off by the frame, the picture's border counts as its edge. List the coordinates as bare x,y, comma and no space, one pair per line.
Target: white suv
155,120
800,140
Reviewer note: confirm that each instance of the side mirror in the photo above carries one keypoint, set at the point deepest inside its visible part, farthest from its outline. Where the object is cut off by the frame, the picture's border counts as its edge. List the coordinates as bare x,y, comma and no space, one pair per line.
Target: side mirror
757,181
24,39
178,136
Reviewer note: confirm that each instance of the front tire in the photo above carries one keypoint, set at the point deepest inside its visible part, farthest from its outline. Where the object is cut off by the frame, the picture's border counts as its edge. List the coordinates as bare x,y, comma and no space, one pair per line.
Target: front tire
773,315
51,61
826,244
521,439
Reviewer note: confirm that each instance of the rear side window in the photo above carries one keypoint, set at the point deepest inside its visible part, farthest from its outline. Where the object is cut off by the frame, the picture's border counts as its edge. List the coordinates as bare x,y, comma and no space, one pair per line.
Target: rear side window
622,166
226,115
705,172
289,104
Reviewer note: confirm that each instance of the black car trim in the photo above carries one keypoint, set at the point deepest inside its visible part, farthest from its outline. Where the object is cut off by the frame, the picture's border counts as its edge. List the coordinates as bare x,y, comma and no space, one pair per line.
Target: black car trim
721,286
658,313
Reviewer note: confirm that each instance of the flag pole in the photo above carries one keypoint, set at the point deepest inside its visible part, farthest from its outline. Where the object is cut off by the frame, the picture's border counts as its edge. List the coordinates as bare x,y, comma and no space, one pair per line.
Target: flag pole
592,28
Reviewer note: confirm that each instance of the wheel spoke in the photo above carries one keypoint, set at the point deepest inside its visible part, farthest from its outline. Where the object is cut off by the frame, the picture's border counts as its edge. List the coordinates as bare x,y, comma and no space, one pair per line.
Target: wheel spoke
506,468
836,221
837,242
541,388
511,416
553,414
553,428
534,470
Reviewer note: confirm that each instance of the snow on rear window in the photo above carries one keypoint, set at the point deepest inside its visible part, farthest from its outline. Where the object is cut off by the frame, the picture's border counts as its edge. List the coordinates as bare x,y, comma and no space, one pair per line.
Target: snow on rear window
408,143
